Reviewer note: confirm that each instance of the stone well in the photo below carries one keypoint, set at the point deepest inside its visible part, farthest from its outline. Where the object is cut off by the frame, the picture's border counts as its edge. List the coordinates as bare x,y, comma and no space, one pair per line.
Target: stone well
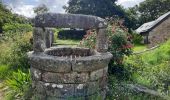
65,72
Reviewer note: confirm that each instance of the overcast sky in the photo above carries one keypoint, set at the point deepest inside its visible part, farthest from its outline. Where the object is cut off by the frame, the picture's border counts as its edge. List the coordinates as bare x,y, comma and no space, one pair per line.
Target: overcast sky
25,7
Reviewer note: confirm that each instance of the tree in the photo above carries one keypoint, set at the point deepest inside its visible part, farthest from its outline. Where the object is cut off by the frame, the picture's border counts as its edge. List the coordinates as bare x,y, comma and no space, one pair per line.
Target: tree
101,8
41,9
6,16
146,11
132,17
152,9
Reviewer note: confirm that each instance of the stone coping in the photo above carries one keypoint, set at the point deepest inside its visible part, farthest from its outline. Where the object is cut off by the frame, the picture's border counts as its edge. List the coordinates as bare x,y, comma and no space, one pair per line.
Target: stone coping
98,56
66,64
69,21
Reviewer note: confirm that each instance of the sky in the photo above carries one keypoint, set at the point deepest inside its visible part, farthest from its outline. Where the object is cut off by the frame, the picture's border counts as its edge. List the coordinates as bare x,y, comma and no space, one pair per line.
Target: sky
25,7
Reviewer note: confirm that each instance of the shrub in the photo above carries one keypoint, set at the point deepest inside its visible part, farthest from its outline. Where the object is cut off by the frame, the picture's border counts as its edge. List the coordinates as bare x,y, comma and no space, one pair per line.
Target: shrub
89,40
16,27
137,39
119,44
71,34
20,48
13,51
12,29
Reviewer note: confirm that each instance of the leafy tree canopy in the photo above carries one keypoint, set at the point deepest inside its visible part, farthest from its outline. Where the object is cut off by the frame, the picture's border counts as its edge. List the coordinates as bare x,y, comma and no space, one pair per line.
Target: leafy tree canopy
41,9
101,8
6,16
152,9
146,11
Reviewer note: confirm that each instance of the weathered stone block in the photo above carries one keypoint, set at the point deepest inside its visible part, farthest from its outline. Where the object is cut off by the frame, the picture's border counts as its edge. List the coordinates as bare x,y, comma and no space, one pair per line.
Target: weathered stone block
89,64
49,35
35,74
37,96
38,40
103,82
95,75
86,89
69,21
72,77
102,41
50,63
60,90
39,87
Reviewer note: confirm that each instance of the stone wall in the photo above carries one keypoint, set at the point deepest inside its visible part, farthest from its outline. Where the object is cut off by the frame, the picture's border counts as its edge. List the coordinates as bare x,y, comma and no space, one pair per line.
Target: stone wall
62,78
160,34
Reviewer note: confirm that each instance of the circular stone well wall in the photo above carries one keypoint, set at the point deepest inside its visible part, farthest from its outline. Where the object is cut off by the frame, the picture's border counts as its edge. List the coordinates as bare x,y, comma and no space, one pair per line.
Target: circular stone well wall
64,77
67,73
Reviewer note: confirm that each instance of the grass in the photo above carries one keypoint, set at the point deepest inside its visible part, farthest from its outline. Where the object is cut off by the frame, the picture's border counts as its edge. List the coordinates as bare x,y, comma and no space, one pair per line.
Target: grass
4,71
119,90
12,57
139,47
67,42
152,69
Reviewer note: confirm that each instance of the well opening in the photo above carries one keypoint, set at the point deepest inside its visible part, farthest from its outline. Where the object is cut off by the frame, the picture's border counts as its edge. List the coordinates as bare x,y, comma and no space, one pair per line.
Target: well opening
69,52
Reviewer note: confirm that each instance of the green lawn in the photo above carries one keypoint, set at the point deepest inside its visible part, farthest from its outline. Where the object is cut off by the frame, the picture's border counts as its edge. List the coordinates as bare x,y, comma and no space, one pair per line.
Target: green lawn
67,42
139,47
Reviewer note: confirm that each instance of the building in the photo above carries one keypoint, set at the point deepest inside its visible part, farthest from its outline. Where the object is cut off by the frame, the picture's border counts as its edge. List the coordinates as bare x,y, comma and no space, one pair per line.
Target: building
157,31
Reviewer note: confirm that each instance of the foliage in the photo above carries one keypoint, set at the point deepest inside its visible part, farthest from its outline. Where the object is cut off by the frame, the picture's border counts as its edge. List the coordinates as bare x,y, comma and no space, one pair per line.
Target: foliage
132,19
4,71
13,56
16,27
41,9
137,38
101,8
152,9
119,90
146,11
119,44
151,68
19,83
71,34
6,16
13,51
89,40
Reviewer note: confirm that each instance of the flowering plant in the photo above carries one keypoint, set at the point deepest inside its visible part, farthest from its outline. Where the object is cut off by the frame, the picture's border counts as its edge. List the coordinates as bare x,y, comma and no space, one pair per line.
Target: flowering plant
119,41
89,40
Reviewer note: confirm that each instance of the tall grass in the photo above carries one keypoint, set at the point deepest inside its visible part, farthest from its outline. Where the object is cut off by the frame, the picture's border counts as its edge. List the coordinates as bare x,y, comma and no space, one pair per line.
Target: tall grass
152,68
14,64
4,71
13,51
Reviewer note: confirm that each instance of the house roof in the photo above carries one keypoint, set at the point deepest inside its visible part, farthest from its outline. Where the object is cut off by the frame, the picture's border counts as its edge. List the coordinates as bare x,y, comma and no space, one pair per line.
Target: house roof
147,27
